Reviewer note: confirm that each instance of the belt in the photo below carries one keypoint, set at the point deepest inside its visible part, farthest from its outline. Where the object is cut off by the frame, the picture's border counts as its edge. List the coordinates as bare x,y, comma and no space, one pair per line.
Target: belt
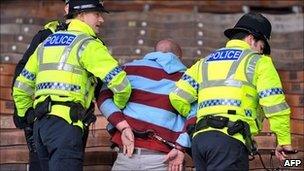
217,122
143,151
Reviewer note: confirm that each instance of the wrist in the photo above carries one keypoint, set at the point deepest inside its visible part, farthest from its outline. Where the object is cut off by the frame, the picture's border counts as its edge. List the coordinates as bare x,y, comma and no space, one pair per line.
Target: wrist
123,129
180,148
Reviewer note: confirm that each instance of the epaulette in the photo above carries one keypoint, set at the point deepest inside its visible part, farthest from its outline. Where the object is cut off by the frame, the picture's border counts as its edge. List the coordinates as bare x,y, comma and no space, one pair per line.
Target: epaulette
52,25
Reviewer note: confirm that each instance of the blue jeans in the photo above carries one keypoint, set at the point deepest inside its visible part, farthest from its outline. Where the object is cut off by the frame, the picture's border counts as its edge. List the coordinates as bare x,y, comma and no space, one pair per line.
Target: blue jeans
59,144
216,151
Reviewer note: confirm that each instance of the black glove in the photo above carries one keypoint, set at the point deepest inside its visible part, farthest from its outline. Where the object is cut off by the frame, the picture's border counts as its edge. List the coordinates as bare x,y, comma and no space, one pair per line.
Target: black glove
29,136
22,122
30,116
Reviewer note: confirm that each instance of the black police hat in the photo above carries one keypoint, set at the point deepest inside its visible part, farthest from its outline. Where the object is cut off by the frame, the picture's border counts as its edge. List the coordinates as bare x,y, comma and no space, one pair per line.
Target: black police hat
76,6
256,24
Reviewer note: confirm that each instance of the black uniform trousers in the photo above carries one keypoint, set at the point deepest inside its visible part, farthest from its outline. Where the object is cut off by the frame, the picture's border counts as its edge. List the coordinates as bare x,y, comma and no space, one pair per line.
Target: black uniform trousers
216,151
59,144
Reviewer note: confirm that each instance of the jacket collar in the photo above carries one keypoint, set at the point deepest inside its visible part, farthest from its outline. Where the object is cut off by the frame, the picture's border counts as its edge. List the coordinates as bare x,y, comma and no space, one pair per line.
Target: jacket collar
169,61
237,43
77,25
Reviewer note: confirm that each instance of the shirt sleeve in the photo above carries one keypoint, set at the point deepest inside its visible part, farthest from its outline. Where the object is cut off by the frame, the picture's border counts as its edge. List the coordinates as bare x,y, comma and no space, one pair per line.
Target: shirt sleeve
272,100
184,139
107,107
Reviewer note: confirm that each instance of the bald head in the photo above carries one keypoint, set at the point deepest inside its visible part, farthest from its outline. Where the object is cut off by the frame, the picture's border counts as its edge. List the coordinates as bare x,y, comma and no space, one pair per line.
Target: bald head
168,45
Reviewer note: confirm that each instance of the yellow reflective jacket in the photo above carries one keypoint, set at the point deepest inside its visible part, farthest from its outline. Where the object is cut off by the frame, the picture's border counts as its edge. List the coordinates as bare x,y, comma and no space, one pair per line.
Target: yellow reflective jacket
235,78
64,67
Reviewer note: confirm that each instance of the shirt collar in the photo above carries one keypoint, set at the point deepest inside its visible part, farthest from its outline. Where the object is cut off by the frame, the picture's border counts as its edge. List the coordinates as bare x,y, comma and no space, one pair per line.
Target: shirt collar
77,25
169,61
237,43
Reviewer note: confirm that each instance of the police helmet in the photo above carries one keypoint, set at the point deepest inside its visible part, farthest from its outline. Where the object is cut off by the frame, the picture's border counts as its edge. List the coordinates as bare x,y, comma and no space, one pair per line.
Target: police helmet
77,6
255,24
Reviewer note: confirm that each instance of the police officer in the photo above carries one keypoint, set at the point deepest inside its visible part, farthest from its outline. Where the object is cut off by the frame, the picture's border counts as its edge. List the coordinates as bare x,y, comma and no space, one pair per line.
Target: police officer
231,84
20,122
63,71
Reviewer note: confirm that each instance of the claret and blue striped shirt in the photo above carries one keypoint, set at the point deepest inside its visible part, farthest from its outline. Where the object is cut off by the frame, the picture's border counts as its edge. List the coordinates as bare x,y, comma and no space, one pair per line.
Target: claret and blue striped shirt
152,79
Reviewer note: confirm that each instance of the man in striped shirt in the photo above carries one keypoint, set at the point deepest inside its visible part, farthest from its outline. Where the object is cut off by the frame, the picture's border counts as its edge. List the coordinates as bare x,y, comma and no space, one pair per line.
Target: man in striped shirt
160,133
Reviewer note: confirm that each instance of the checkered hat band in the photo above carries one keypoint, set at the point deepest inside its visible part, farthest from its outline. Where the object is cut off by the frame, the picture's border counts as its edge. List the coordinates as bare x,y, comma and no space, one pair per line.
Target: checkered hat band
269,92
58,86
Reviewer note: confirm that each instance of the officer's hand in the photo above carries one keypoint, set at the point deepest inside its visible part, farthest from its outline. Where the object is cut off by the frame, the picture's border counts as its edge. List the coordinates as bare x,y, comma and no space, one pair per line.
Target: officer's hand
175,159
282,150
127,138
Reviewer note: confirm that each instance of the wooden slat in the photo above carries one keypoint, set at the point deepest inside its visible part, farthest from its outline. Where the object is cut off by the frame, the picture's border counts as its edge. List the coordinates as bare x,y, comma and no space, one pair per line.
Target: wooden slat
297,126
5,93
10,58
293,87
6,81
297,113
7,69
6,107
13,47
17,166
295,100
6,122
14,154
26,29
266,141
99,138
100,123
297,142
99,155
16,38
12,137
100,167
34,20
291,76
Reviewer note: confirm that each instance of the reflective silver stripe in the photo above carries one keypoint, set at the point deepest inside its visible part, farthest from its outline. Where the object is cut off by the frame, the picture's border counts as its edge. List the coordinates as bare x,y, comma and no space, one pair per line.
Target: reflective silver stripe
67,50
25,87
236,64
82,46
250,68
65,67
183,94
275,108
217,102
121,86
40,53
58,86
204,73
228,82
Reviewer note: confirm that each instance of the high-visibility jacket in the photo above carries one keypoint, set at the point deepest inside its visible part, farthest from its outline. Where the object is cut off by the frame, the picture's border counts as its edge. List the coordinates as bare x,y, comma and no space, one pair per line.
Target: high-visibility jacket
237,79
65,67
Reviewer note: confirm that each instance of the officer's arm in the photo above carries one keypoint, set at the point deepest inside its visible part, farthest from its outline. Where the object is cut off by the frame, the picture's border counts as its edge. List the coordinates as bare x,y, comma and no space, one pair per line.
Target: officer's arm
272,100
107,107
24,86
186,90
38,38
184,138
97,60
